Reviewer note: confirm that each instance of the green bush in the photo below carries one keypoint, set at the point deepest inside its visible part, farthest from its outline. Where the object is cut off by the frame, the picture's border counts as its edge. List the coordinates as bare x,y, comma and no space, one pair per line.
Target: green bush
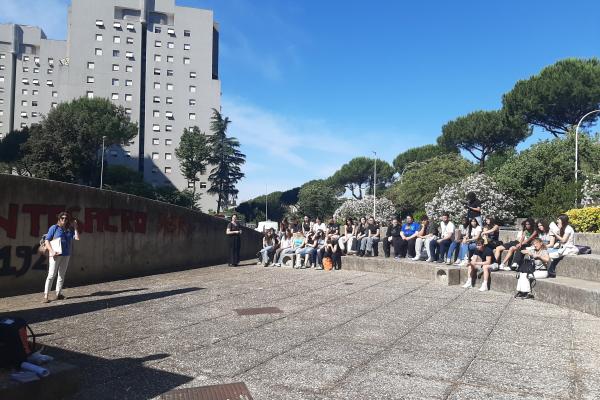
585,219
556,197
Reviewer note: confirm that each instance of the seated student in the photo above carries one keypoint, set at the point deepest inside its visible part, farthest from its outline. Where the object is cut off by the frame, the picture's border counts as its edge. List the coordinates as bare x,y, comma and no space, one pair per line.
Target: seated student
409,233
306,225
296,242
284,244
361,232
459,234
307,251
319,226
394,237
369,242
439,246
427,232
317,244
524,238
535,266
565,237
346,241
295,226
333,251
333,230
483,257
490,233
298,245
268,248
469,243
283,227
387,241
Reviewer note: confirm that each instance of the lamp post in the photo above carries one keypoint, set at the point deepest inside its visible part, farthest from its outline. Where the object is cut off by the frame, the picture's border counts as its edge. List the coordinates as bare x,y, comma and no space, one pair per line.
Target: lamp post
102,163
374,182
577,142
266,204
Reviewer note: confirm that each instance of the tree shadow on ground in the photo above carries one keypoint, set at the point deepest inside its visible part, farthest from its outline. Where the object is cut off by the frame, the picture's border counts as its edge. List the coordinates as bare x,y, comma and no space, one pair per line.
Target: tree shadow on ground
107,293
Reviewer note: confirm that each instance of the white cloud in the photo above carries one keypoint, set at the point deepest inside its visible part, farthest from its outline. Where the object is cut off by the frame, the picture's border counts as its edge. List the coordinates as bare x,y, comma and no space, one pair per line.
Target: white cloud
50,15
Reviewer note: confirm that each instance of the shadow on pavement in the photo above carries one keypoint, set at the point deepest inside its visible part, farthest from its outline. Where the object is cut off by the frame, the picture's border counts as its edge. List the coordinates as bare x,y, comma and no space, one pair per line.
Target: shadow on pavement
107,293
66,309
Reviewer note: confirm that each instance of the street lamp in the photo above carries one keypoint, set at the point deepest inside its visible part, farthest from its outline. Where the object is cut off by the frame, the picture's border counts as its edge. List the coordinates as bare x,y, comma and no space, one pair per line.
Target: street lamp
374,182
102,163
577,141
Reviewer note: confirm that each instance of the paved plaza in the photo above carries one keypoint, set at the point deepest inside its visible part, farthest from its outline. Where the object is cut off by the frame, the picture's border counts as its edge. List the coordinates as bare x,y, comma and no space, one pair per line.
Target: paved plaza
340,335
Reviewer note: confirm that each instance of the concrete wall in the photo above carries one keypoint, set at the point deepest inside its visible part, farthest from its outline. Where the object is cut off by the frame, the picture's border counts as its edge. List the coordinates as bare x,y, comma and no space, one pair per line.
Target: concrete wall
122,235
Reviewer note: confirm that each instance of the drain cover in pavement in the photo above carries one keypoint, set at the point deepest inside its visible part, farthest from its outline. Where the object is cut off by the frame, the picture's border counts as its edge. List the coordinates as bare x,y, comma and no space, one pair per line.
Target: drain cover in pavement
255,311
230,391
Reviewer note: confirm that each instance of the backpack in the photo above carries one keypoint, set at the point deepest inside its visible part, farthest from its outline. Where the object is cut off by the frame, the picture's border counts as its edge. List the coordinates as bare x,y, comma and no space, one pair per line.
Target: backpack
14,341
584,249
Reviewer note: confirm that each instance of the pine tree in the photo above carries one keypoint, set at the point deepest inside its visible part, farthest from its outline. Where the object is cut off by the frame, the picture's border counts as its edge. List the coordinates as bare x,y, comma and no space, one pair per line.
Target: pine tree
193,153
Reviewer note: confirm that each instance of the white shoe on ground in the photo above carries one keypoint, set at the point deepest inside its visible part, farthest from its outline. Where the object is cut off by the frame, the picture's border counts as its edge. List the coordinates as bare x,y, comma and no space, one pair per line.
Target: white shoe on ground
515,265
417,258
468,284
484,287
429,259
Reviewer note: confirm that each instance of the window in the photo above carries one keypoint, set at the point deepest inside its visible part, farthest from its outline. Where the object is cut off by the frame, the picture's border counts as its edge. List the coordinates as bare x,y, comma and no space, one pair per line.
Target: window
192,116
128,111
157,57
49,83
169,72
128,68
35,92
167,170
2,56
54,105
1,79
156,99
170,45
115,82
129,40
190,185
2,67
186,60
98,52
168,128
169,114
90,95
25,81
156,128
51,61
34,103
192,102
24,91
155,156
25,58
168,156
113,153
90,65
128,82
129,54
157,29
23,124
98,37
192,89
54,94
35,81
115,67
130,27
169,100
117,25
49,71
154,170
156,141
23,103
36,60
115,96
156,85
157,43
25,69
202,185
99,22
170,59
36,70
156,114
128,153
186,46
168,142
192,74
187,33
116,53
169,86
90,79
128,97
34,114
156,71
171,31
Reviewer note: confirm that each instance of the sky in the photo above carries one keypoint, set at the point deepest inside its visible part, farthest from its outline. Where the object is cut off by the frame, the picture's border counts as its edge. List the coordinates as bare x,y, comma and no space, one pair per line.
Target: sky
309,85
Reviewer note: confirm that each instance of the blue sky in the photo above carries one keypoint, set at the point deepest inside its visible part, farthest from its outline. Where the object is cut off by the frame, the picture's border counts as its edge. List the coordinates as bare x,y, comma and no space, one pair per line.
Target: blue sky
311,84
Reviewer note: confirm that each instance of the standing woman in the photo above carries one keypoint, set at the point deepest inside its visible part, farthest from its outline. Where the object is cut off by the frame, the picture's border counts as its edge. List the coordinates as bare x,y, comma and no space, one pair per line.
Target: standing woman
473,206
234,231
59,261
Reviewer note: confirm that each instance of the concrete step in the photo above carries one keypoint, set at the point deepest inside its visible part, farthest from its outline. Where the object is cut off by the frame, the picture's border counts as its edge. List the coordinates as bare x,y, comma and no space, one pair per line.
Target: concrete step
577,294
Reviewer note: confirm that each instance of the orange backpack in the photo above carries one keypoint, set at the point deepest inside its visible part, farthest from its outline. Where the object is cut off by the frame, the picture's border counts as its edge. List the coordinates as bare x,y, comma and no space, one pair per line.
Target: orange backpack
328,263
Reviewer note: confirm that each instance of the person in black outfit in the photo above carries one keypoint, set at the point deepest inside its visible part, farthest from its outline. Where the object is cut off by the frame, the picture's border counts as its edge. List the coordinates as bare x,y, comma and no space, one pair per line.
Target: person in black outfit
387,242
395,239
234,231
333,250
473,208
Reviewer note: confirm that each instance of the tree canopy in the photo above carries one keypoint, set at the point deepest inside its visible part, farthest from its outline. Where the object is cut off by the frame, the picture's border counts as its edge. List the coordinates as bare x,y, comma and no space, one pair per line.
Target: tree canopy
12,153
558,96
418,154
66,145
193,154
318,199
482,133
357,175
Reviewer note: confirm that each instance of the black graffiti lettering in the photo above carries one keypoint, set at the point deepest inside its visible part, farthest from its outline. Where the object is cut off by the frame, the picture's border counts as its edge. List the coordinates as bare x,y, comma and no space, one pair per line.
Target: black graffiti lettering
40,264
6,269
24,252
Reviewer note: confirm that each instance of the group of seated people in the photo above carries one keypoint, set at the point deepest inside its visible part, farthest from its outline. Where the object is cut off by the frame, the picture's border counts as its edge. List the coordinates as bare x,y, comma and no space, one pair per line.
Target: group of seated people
535,251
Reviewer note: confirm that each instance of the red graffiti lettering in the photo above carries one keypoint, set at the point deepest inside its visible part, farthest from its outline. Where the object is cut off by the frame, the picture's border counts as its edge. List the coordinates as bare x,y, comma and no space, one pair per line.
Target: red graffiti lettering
9,224
171,224
111,212
126,220
140,222
91,215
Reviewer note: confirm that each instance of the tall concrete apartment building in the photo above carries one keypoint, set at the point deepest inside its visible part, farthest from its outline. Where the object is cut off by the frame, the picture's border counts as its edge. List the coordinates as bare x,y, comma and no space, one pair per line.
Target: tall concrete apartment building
156,59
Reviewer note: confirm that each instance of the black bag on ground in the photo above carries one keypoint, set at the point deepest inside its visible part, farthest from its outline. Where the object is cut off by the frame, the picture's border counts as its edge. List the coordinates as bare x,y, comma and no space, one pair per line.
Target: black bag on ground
527,266
14,341
584,249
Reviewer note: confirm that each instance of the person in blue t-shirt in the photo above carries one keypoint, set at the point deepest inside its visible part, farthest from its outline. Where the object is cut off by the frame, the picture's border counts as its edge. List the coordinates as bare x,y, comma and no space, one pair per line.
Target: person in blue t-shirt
408,236
58,261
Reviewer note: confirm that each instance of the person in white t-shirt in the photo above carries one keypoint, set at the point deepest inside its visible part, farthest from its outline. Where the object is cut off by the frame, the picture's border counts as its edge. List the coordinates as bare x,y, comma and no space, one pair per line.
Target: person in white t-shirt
566,237
319,226
439,247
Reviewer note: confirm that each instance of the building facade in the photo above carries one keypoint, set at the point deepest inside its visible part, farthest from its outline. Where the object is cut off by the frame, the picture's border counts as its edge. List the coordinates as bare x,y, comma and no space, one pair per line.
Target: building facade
157,60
